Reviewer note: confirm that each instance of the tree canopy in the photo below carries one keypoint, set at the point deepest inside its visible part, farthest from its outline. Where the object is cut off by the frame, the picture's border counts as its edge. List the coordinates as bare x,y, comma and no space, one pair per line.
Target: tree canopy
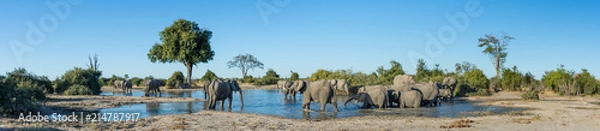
496,48
183,42
245,63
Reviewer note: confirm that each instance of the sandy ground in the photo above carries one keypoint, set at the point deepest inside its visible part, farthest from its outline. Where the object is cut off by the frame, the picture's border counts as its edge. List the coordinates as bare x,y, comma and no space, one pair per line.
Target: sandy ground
550,113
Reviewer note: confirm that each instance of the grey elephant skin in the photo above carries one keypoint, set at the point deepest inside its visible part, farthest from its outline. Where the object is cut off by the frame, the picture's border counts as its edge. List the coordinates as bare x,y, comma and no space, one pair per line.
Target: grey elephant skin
127,86
221,90
403,82
286,88
118,84
430,92
410,98
321,91
152,85
205,88
375,95
445,94
341,85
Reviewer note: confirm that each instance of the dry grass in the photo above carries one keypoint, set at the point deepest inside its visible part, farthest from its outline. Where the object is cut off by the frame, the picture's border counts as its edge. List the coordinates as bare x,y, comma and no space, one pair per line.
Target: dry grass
462,123
526,120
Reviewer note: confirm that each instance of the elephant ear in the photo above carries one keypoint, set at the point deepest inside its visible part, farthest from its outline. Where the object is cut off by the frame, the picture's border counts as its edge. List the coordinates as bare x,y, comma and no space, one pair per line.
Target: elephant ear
235,86
333,82
299,85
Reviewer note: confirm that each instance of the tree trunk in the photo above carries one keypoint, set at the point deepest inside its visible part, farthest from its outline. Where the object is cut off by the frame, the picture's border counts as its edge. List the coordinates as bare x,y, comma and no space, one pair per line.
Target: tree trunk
189,72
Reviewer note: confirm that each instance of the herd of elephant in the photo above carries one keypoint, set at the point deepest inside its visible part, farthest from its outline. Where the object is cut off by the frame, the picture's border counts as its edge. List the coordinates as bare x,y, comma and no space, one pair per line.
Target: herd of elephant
123,84
151,86
405,92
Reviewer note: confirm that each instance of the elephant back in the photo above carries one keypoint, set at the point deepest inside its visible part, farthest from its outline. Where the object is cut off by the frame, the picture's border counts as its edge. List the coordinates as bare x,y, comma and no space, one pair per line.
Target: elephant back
403,79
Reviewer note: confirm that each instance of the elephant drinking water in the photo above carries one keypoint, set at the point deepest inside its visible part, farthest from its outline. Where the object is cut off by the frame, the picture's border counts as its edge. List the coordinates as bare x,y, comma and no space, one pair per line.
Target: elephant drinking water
220,90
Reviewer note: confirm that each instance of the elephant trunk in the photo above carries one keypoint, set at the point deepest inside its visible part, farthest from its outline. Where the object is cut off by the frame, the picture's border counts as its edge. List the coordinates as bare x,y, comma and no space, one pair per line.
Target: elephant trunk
351,98
241,98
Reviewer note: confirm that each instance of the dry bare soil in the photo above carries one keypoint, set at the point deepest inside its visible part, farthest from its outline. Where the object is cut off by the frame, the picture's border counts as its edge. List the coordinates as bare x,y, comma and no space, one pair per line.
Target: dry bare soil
550,113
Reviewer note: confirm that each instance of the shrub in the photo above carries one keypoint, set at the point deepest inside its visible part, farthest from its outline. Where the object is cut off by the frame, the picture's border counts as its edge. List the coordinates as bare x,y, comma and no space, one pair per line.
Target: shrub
21,76
530,95
21,91
136,81
175,79
78,90
320,74
480,92
294,76
557,79
511,79
78,76
476,79
248,79
586,83
209,75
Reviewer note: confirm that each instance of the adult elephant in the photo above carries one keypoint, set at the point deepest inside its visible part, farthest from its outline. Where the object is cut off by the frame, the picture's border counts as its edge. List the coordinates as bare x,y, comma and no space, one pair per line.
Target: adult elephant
449,82
375,95
118,84
410,98
445,94
127,86
205,88
286,88
403,82
341,85
152,85
221,90
321,91
430,92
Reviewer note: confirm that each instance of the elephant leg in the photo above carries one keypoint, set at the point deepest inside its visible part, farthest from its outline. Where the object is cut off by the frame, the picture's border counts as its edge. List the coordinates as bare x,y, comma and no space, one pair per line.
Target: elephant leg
323,106
334,104
306,104
229,100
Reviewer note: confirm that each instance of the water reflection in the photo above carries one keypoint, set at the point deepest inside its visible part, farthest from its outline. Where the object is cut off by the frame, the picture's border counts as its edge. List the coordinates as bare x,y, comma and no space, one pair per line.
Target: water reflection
272,102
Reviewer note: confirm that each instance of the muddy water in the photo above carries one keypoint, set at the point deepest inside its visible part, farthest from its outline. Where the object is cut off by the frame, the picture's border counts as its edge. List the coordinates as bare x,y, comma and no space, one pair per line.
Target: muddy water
272,102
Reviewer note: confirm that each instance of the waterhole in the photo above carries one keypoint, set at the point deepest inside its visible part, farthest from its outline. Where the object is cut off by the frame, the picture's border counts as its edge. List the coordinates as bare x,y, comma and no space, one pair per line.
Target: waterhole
272,102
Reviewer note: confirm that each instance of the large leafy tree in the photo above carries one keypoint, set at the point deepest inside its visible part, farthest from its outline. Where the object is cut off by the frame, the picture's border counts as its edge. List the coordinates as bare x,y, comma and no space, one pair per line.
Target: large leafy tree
245,63
387,76
209,75
422,71
183,42
496,48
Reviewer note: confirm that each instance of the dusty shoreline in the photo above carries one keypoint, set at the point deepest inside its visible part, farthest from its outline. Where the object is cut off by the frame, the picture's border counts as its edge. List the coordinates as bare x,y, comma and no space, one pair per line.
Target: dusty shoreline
551,113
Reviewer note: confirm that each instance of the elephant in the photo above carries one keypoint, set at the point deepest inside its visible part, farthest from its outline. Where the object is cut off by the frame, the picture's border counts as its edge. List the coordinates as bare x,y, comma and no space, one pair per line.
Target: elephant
410,98
205,88
376,95
183,85
430,92
152,85
319,91
449,82
220,90
403,82
341,85
118,84
127,85
445,94
286,88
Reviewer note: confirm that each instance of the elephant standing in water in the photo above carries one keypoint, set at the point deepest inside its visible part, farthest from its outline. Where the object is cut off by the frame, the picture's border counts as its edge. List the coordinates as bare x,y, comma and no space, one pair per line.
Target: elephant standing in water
219,90
445,94
410,98
127,86
205,88
341,85
376,95
118,84
286,88
319,91
403,82
430,92
152,85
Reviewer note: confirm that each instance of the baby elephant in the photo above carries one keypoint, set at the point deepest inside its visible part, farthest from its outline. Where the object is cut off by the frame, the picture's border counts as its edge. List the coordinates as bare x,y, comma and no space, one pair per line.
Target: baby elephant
410,98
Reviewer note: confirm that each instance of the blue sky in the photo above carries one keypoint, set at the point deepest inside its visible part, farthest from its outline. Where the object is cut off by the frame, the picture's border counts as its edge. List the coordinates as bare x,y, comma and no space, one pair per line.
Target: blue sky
301,36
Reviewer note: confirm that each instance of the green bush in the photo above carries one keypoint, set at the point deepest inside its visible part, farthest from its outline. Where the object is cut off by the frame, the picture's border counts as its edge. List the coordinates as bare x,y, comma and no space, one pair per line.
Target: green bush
530,95
586,83
78,76
294,76
175,79
209,75
480,92
21,91
248,79
462,90
511,79
77,90
266,81
136,81
476,79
